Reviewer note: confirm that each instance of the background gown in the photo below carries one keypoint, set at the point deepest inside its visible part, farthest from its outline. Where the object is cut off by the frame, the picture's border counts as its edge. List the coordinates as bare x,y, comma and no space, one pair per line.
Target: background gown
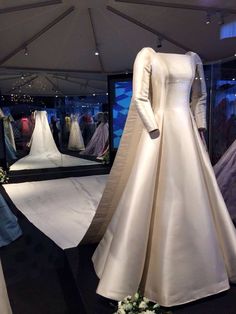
76,141
163,223
9,227
225,171
100,137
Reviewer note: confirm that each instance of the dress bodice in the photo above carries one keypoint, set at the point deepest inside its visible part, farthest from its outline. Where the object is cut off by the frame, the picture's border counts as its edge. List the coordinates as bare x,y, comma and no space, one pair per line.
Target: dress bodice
177,74
178,67
163,81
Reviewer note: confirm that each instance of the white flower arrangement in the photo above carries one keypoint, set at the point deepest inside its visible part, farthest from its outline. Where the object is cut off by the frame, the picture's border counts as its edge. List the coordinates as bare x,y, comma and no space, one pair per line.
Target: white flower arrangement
139,304
3,176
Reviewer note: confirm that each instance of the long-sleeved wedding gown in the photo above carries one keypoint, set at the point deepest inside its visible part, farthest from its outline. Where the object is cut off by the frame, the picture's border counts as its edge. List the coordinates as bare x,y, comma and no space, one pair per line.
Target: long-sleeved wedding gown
162,221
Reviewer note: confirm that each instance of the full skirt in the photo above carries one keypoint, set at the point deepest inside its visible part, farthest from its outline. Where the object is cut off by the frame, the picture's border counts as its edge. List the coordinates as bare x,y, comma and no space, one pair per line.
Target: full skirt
171,235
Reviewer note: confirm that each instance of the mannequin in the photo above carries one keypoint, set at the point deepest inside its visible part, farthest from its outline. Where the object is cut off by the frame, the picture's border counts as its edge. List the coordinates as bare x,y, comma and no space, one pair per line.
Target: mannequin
8,128
76,141
162,223
100,137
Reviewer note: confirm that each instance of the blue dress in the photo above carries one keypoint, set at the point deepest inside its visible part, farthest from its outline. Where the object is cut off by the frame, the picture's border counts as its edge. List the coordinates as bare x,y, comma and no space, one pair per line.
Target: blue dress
9,227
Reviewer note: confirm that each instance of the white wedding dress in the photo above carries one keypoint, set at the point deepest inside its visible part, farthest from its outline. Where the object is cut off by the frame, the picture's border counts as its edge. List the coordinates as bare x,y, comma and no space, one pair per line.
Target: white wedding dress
163,224
5,307
76,141
43,152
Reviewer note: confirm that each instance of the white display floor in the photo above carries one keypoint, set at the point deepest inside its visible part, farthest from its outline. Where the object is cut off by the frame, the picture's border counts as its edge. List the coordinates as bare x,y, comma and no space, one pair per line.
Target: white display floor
49,161
62,209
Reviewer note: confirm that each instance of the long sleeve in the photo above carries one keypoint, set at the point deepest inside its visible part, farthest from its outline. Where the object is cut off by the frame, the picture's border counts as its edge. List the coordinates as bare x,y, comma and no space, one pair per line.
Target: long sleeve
141,91
199,95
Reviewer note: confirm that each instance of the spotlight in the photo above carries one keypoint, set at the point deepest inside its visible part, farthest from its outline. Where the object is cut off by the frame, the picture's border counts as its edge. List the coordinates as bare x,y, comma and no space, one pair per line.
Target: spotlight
22,77
233,79
159,42
26,51
208,18
107,94
30,85
96,53
235,54
94,94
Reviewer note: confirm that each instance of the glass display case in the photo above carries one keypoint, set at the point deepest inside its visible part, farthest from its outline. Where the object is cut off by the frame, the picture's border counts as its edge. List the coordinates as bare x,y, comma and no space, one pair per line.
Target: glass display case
53,132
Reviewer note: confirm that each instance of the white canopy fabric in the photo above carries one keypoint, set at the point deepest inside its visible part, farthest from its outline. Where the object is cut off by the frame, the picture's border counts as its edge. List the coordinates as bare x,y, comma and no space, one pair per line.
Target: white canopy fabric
61,40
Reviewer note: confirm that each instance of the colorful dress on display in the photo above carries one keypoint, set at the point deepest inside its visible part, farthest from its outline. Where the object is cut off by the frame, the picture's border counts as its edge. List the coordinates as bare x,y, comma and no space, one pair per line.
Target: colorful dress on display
87,127
162,221
9,227
76,141
225,171
9,137
8,130
5,307
99,139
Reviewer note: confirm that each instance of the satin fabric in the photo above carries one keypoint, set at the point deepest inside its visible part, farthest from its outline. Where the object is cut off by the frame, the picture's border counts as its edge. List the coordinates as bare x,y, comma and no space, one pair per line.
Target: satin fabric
5,307
162,221
225,171
9,227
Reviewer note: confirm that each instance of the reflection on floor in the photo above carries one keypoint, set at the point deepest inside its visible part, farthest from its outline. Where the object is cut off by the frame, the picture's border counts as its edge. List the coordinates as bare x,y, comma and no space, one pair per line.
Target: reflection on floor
62,209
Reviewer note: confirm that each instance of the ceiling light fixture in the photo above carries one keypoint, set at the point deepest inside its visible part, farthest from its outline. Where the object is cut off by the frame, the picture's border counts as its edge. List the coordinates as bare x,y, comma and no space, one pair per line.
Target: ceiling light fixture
208,18
26,53
159,42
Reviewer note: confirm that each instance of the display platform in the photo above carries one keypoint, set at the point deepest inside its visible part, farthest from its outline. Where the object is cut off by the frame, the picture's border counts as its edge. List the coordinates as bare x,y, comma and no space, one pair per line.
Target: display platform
66,281
62,209
50,161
